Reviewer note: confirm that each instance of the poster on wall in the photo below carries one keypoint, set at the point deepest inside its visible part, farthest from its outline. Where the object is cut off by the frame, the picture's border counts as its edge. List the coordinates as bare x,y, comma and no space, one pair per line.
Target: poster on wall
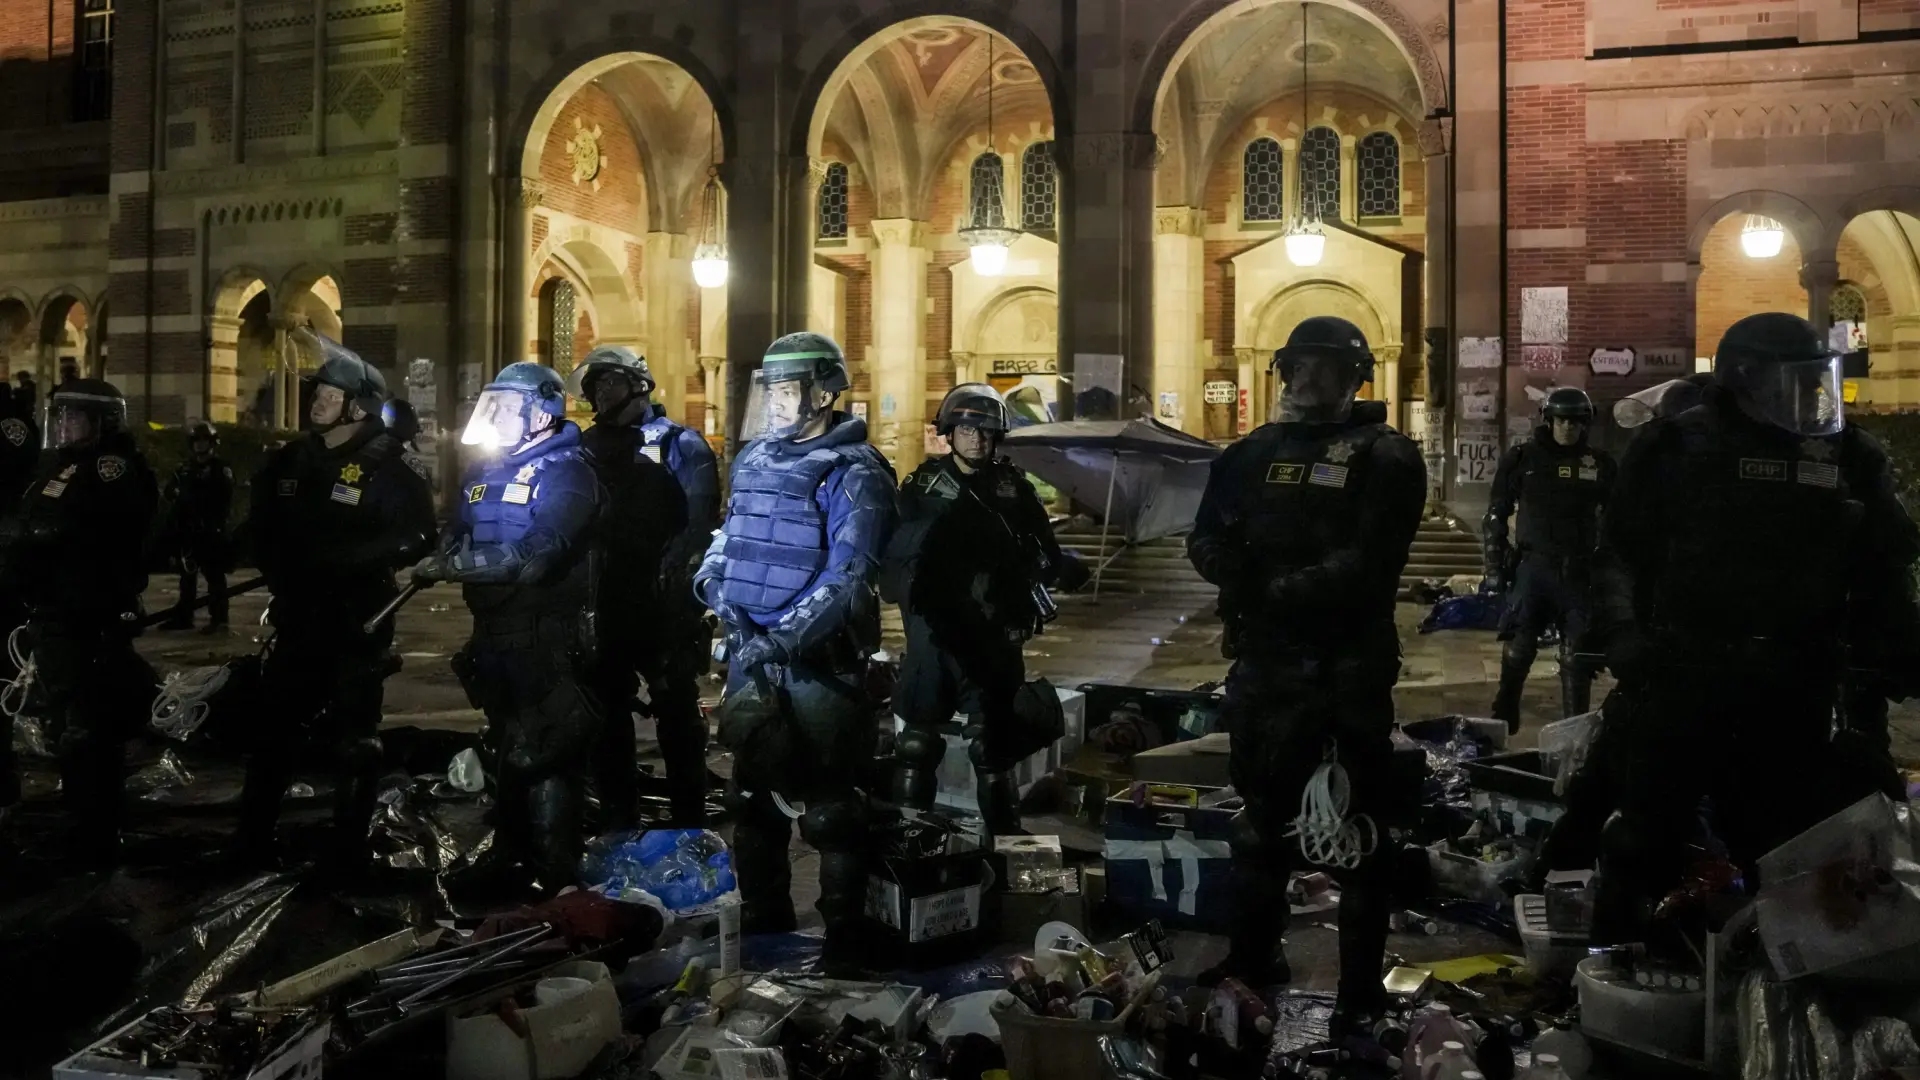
1543,357
1476,449
1479,402
1480,353
1417,421
1169,405
1543,316
1243,418
859,410
1219,393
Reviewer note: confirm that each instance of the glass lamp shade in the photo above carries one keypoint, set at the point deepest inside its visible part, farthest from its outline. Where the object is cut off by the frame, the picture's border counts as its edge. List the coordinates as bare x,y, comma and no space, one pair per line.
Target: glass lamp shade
710,266
1762,238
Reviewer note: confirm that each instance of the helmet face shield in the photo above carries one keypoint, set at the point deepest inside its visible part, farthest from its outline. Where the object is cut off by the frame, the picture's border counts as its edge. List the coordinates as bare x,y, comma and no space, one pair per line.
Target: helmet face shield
1800,396
1316,387
780,404
1670,398
502,419
78,419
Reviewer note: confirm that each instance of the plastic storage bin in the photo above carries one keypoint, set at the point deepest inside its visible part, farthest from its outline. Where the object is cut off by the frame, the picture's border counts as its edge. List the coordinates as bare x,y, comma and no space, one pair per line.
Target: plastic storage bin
1548,953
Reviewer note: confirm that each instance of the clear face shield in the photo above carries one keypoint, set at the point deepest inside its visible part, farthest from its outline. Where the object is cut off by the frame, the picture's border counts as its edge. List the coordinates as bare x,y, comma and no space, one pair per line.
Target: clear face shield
780,407
1670,398
1803,397
501,420
74,421
608,389
1316,388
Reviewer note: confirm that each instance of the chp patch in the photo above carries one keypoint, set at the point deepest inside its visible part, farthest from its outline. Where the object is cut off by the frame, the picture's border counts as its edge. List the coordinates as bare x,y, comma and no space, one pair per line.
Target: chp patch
111,467
1282,473
343,493
1565,472
15,430
1762,469
1817,473
288,487
1325,475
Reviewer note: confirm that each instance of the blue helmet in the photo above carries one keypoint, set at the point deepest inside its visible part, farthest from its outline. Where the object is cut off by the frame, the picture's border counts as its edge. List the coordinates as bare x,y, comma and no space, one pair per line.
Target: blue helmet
522,401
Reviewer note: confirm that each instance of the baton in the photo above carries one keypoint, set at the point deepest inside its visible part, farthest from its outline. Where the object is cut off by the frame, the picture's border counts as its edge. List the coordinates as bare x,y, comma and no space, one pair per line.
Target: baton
229,593
393,605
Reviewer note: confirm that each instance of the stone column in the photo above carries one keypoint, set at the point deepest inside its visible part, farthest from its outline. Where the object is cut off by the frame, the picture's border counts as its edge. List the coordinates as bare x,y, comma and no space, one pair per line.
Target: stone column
519,198
1106,252
1479,233
1820,275
1179,303
669,274
286,382
711,370
1697,347
898,356
963,369
1436,138
223,364
755,176
1349,179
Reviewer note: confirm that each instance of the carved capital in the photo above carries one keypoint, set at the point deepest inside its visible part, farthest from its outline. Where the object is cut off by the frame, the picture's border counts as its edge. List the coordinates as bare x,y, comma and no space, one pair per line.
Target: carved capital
712,364
899,232
1436,136
1179,221
962,368
1819,274
529,191
1243,356
1116,149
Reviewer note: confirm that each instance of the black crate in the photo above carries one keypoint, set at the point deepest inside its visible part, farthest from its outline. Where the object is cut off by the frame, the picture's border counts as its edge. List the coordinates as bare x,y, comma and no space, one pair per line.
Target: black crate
926,885
1524,774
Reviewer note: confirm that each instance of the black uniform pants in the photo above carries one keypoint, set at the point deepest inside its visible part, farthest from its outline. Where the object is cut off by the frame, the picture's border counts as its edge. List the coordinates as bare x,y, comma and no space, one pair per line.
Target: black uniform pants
1547,591
1285,710
936,684
321,690
1753,738
671,659
203,556
542,728
97,691
830,748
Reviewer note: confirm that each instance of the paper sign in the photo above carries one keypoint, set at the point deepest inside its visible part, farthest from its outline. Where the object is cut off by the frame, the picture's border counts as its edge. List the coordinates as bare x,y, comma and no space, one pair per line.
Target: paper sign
1543,357
1479,404
1169,404
859,410
1243,422
952,912
1480,352
1478,455
1850,391
1605,361
1543,316
1219,393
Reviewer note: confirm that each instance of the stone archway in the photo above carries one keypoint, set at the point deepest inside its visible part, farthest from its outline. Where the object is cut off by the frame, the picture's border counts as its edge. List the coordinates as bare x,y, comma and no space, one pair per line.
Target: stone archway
1875,255
242,301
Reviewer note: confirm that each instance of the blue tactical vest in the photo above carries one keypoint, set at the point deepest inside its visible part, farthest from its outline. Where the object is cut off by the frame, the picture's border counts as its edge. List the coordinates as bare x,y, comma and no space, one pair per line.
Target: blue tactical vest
776,529
501,497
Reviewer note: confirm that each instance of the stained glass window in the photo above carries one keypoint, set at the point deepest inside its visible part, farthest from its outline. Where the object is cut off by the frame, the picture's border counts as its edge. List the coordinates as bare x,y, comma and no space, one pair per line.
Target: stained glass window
1038,187
1263,189
557,324
1379,175
987,200
833,203
1847,305
1320,174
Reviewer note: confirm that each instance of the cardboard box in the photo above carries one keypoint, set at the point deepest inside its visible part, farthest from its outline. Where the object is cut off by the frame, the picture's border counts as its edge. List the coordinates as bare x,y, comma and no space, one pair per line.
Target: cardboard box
926,909
1169,863
1843,898
562,1038
1198,762
299,1058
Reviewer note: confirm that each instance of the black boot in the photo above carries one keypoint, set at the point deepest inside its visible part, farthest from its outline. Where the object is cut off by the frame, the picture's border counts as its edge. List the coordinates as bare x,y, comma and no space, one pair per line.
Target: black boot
1516,659
999,795
1576,686
761,863
843,887
1365,904
553,819
683,748
355,795
1254,951
917,753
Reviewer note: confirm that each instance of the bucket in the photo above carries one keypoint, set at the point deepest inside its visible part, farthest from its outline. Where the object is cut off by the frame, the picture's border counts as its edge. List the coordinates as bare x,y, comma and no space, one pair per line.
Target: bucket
558,988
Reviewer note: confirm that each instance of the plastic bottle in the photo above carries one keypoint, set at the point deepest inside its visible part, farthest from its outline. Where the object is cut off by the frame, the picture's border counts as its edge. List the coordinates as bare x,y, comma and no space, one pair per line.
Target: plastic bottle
1546,1067
1430,1029
1576,1057
1451,1063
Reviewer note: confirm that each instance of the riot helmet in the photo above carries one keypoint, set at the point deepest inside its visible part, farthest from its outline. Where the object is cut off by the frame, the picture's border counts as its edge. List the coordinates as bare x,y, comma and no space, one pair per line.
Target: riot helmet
610,378
1670,398
83,412
202,439
980,410
523,402
1781,371
1321,368
799,378
1567,413
400,420
361,388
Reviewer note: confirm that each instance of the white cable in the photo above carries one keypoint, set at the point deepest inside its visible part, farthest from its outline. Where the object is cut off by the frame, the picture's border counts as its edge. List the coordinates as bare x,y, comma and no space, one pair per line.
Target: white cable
1327,836
13,696
181,706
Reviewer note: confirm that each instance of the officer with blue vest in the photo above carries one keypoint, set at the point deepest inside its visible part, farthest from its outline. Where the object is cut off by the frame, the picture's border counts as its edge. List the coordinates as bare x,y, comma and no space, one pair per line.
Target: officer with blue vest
650,624
520,550
792,577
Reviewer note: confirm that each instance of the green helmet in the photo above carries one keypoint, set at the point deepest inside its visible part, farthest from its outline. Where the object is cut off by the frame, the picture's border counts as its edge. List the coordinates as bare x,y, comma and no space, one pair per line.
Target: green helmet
806,361
807,355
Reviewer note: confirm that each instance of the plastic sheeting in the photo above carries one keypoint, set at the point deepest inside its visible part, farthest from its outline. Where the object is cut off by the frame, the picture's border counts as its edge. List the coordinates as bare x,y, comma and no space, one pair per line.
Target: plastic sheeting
1153,474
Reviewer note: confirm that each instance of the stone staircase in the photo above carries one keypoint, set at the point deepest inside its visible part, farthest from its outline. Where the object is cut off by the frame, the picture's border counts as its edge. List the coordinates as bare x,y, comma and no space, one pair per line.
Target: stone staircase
1160,567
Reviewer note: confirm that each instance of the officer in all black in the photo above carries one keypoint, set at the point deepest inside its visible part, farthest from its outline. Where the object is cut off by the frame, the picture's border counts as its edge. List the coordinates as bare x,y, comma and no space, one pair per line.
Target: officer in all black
970,563
75,553
1310,519
1754,551
646,511
792,578
200,493
332,516
522,552
19,450
1559,483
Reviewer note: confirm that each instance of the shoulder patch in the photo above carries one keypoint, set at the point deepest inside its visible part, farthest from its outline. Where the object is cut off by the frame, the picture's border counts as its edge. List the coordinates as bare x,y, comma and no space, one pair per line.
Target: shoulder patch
418,464
942,485
111,467
15,430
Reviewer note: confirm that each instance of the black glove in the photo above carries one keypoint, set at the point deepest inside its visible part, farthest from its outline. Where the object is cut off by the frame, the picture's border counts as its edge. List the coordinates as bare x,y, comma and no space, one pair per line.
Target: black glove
1072,575
757,652
431,570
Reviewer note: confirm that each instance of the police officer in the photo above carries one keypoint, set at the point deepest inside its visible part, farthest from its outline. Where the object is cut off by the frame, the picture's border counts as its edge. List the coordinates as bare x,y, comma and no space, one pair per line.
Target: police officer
1753,551
19,450
520,552
1559,483
201,493
332,516
970,564
791,575
1310,518
646,512
75,552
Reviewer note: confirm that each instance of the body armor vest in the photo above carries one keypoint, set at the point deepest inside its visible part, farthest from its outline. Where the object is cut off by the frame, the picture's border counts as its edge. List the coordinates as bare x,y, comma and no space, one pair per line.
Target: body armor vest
776,529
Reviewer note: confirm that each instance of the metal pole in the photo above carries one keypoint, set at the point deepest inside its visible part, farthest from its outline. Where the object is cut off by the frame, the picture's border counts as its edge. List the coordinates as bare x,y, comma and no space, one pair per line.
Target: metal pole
1106,519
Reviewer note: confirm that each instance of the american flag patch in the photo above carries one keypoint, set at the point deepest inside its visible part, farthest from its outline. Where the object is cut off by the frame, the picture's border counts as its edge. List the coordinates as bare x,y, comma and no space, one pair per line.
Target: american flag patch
54,489
516,493
1817,473
345,494
652,452
1328,475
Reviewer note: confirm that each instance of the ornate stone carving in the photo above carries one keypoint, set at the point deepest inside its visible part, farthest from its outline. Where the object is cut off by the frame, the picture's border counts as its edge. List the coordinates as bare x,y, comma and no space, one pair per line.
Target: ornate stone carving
712,364
530,192
228,178
1116,149
899,232
1179,220
584,150
1436,136
1819,274
1440,29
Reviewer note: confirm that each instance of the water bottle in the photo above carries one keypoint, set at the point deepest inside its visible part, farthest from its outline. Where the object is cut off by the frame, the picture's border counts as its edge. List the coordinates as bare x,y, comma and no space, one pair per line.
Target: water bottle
1451,1063
1546,1067
1576,1057
1430,1030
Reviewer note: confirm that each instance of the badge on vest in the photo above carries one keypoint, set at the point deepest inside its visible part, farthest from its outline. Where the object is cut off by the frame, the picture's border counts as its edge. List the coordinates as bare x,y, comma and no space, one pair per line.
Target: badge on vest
111,467
1339,452
1004,490
14,430
350,474
518,494
524,476
1286,474
342,493
476,493
1818,474
288,487
1762,469
1333,476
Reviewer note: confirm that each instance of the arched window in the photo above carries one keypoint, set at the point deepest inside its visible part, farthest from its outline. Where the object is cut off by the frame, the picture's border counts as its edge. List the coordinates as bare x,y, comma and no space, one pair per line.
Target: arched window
1038,188
987,198
1849,304
833,203
557,323
1263,191
1320,175
1380,175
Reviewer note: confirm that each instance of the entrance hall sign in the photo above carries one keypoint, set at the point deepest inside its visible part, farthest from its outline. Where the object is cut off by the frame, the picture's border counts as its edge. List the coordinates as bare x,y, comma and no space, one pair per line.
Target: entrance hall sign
1605,361
1670,362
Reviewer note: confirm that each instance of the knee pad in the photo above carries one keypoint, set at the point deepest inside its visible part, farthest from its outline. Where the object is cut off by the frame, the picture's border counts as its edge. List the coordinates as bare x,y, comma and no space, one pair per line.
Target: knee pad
1521,648
838,825
920,748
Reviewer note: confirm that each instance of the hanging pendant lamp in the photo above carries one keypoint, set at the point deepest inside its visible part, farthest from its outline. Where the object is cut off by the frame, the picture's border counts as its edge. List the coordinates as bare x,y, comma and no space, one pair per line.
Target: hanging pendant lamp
710,254
988,245
1306,242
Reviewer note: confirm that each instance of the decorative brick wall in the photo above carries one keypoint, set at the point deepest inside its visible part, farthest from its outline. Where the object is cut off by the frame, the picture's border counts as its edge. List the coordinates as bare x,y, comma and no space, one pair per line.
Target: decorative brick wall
859,321
1733,286
619,202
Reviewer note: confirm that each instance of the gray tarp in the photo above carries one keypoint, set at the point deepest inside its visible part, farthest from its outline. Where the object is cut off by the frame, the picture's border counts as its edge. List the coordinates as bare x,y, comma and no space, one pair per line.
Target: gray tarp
1145,476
